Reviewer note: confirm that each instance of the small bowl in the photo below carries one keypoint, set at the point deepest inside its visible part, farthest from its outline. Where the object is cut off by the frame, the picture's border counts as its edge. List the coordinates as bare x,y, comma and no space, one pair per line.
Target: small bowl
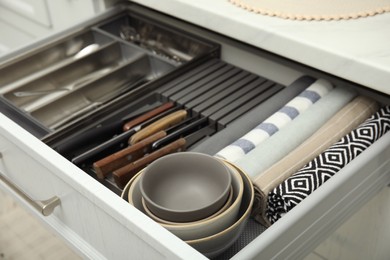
217,242
227,204
185,187
199,229
212,246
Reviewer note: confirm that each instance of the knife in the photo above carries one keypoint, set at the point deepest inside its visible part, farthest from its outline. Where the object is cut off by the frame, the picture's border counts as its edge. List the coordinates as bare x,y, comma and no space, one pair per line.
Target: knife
119,140
161,124
186,130
125,156
147,116
124,174
93,134
131,153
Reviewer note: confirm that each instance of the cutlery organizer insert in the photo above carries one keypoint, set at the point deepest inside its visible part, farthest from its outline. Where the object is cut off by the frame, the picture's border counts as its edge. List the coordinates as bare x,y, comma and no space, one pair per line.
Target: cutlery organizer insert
62,83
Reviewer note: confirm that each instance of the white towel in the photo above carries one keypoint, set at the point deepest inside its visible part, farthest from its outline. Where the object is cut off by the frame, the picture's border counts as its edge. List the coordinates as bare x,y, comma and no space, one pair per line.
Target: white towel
287,139
278,120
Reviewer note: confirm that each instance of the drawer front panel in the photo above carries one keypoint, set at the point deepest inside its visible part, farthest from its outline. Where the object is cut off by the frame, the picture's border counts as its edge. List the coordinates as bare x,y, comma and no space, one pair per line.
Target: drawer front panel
97,229
105,228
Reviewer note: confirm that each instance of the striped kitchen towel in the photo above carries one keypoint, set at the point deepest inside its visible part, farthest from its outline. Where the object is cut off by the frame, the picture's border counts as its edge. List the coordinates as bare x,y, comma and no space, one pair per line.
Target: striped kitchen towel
301,184
271,125
252,118
300,129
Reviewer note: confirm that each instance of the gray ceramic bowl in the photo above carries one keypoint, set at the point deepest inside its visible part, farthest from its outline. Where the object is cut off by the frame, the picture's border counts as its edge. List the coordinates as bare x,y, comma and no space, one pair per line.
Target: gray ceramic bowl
215,244
204,227
184,187
168,224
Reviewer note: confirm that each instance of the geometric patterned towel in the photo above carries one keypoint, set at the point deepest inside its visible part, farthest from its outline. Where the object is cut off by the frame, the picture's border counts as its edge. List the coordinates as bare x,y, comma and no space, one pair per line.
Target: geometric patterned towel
302,183
279,119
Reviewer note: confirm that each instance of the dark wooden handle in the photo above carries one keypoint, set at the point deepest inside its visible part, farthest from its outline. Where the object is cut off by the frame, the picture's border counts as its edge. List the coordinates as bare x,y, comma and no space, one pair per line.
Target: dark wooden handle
159,125
124,174
147,116
124,156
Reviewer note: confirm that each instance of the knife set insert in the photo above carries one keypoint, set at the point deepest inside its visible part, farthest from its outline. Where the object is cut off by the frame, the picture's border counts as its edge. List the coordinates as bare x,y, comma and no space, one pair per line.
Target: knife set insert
173,117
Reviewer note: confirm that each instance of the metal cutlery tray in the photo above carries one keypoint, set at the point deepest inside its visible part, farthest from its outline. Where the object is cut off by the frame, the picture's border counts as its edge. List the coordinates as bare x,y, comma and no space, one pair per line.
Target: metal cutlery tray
76,75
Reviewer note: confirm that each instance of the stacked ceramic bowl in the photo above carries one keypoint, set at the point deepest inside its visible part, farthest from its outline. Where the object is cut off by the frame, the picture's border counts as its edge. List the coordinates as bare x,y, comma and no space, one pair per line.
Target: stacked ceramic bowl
201,199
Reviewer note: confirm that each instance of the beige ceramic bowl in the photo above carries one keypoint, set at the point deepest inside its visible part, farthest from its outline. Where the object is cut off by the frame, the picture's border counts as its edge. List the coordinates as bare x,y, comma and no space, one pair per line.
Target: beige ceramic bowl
129,189
200,228
163,221
217,243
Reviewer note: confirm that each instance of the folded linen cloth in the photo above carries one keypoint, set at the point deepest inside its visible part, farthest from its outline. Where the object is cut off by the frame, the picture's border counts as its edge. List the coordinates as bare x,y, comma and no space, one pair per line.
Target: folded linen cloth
287,139
277,121
252,118
302,183
343,122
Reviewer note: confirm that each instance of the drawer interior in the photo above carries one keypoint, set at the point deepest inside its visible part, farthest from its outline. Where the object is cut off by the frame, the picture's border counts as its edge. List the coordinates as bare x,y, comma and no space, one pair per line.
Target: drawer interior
77,92
74,76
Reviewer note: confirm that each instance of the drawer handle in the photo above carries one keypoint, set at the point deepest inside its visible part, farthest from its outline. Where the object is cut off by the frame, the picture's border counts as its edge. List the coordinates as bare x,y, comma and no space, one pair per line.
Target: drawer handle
46,207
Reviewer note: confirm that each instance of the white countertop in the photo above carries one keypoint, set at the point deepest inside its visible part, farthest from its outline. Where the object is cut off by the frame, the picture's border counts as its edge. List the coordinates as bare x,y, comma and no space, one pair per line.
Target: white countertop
356,50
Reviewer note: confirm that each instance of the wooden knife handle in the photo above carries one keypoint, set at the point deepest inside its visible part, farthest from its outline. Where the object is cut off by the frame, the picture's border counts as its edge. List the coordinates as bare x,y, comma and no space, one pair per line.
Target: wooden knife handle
127,126
126,155
159,125
124,174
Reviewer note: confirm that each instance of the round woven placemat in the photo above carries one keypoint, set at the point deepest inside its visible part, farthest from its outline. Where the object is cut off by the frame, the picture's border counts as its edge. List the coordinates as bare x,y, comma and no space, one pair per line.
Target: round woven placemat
315,9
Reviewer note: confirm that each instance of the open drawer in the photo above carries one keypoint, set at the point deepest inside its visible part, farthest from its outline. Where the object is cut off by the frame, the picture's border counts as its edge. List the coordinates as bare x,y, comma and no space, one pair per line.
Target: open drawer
95,221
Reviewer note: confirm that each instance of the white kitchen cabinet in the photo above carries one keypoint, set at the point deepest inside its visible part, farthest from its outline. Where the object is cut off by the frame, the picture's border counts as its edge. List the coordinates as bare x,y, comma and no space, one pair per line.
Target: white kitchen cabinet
35,10
17,39
26,20
98,224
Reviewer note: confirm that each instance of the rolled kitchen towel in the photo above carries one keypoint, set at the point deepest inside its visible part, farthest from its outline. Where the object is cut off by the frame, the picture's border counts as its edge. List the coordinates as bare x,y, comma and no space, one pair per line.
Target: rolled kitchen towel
252,118
287,139
277,121
302,183
343,122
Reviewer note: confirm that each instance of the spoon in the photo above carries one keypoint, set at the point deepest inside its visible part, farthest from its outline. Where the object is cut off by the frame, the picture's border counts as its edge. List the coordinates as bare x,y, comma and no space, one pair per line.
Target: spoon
129,33
87,78
37,92
86,50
